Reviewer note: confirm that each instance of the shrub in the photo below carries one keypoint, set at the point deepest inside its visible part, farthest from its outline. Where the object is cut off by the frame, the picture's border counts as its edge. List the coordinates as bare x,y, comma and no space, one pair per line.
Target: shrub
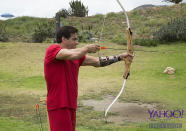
3,33
43,31
175,30
85,36
112,14
145,42
99,16
119,39
49,40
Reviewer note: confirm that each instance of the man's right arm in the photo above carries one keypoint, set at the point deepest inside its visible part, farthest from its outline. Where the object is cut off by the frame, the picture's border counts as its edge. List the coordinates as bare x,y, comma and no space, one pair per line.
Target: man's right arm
73,54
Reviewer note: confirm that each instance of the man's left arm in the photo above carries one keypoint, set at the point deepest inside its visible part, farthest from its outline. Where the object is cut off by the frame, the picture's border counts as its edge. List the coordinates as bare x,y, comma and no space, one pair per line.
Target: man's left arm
105,61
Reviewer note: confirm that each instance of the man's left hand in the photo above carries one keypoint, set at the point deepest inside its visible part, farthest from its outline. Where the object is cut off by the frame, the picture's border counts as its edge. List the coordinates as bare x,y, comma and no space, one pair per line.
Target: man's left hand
123,56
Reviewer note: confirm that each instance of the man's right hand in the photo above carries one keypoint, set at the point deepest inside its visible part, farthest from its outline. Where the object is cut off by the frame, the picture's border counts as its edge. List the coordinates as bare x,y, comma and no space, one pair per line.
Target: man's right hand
92,48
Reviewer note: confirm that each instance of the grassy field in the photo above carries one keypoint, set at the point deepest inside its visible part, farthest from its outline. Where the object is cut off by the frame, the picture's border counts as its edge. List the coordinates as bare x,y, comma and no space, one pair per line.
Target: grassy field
22,84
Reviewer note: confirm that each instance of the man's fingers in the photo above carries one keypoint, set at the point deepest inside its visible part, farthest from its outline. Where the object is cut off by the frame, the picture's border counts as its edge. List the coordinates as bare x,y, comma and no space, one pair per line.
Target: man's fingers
130,59
93,48
131,54
97,47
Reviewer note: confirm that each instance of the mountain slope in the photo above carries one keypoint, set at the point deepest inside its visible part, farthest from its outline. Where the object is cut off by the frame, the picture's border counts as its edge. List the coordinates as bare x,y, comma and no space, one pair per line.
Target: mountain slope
143,23
144,7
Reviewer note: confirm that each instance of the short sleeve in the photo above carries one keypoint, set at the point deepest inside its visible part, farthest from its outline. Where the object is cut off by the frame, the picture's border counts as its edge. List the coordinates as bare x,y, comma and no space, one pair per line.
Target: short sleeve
51,53
81,60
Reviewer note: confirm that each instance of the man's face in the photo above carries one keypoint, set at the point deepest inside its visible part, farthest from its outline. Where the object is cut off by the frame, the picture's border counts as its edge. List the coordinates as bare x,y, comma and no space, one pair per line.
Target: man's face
72,42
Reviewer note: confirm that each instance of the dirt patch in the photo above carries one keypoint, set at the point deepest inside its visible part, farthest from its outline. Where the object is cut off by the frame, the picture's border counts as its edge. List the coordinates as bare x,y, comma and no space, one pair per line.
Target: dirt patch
132,112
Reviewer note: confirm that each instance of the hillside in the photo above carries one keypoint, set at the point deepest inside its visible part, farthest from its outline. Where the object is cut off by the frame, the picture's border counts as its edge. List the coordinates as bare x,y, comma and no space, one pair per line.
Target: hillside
143,23
22,28
144,6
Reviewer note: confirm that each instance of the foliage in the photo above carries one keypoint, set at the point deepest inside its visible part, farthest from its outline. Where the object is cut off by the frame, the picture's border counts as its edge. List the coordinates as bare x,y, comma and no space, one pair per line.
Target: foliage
99,16
145,42
43,30
85,36
78,9
174,1
49,40
21,29
63,13
119,39
3,33
175,30
111,14
142,23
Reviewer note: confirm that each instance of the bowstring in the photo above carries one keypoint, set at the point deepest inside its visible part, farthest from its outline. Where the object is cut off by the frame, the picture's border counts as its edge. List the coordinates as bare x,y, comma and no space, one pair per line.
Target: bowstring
101,33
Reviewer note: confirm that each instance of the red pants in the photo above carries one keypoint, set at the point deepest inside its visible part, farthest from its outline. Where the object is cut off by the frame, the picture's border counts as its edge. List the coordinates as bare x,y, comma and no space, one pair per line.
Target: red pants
63,119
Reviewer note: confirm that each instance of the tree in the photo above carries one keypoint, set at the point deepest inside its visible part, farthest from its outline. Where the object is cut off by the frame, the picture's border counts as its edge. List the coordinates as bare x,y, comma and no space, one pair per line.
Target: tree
78,9
63,13
173,1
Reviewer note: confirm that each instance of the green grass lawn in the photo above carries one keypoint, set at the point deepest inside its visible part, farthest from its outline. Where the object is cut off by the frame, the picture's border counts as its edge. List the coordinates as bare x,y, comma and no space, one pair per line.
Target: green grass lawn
22,84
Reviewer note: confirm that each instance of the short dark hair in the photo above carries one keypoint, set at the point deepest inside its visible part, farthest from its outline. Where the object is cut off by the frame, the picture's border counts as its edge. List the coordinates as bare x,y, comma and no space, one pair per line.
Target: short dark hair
66,32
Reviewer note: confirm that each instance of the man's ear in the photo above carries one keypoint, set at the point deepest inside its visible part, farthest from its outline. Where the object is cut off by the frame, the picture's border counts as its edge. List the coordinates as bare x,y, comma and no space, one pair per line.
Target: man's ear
63,39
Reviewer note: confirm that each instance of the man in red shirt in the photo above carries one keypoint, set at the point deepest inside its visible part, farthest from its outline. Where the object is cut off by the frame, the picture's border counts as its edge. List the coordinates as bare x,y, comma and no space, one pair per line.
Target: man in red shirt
61,67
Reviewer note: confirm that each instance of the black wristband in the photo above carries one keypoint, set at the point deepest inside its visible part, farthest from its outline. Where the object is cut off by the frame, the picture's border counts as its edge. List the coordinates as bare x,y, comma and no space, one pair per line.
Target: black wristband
115,59
119,58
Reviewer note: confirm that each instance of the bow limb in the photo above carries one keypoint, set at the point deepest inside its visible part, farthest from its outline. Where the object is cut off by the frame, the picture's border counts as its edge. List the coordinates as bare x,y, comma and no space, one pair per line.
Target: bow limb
125,13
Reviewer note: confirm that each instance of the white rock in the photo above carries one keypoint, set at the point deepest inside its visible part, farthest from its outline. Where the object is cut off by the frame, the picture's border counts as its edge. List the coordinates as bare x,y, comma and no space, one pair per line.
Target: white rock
169,70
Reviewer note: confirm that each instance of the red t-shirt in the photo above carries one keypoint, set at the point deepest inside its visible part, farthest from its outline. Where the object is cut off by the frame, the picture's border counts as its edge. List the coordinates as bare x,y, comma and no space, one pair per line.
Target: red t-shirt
61,78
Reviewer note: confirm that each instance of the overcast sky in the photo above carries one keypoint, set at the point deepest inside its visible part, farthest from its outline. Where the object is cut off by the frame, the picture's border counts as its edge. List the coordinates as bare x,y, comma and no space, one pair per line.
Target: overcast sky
48,8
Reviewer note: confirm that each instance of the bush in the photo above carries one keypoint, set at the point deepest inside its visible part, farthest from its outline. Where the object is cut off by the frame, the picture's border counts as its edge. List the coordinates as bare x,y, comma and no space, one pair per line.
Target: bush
175,30
3,33
112,14
119,39
145,42
85,36
43,31
49,40
99,16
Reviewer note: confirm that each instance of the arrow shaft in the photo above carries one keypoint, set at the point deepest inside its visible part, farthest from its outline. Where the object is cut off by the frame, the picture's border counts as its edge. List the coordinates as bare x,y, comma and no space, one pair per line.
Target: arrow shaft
126,49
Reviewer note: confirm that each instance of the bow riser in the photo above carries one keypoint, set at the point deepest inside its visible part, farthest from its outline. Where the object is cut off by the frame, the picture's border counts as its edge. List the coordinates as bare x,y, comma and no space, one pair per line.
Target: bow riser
130,50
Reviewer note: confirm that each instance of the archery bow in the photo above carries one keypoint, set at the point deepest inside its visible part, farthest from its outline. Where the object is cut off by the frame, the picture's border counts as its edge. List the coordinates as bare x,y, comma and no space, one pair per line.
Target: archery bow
128,33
